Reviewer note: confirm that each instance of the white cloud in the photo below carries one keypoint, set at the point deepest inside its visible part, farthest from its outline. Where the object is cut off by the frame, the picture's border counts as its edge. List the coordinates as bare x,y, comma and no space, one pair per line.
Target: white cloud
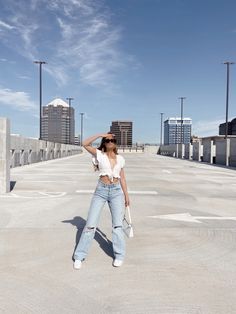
26,29
66,29
18,100
207,127
6,60
68,7
58,72
5,25
76,37
24,77
92,46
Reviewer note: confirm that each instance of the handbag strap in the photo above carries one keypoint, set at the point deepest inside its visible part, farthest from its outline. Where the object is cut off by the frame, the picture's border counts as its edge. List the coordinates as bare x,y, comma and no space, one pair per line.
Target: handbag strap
128,213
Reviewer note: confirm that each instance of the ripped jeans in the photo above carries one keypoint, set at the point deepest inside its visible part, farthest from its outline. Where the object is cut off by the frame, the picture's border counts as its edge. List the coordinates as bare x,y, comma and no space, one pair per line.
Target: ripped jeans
113,194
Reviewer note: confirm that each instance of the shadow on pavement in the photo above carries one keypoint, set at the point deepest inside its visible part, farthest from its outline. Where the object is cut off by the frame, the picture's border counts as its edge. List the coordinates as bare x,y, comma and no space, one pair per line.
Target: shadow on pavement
100,237
12,185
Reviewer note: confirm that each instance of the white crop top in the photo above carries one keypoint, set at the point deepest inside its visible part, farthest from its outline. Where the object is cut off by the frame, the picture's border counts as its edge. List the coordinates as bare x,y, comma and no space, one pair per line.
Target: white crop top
104,164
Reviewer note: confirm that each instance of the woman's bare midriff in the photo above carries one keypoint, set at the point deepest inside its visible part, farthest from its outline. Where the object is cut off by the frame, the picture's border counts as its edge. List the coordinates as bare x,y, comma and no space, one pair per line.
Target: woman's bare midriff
106,180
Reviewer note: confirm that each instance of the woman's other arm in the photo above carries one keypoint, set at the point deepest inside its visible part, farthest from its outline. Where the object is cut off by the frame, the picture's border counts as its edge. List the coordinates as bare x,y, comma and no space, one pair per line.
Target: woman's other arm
124,187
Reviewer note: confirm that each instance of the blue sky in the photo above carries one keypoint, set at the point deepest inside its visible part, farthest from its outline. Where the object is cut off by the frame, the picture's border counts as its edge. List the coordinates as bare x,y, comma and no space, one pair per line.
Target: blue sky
118,59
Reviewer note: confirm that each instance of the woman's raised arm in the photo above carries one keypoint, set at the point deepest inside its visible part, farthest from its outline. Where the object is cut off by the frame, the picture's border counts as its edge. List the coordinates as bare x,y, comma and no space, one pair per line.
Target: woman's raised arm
87,142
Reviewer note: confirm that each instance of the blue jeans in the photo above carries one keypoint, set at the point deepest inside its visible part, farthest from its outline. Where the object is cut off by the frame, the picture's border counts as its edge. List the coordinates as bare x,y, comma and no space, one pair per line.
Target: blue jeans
113,194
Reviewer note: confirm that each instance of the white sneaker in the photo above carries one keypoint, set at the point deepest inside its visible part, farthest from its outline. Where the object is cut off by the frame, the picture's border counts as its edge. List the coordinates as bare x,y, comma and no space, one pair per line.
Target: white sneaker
117,263
77,264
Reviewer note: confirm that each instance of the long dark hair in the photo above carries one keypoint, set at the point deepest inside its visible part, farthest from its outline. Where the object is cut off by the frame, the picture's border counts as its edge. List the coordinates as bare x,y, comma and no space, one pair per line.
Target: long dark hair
102,146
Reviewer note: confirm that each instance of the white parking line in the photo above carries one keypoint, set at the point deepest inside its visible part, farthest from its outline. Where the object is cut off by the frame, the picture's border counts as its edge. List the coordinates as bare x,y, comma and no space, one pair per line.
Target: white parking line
166,171
43,194
144,192
187,217
38,195
38,181
130,192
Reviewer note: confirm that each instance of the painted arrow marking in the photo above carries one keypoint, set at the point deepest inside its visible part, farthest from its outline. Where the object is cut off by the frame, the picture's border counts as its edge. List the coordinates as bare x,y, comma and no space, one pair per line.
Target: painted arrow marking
189,218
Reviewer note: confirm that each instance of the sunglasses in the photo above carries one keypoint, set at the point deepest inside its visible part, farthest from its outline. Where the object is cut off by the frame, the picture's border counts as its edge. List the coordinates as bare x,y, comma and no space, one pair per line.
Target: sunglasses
112,140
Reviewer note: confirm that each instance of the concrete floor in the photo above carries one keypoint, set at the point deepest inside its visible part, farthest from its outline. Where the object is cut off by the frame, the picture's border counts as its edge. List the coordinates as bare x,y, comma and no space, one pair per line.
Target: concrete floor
179,264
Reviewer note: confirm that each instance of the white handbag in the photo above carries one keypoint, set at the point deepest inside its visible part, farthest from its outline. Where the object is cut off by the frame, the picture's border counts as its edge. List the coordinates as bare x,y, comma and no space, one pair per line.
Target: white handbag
127,223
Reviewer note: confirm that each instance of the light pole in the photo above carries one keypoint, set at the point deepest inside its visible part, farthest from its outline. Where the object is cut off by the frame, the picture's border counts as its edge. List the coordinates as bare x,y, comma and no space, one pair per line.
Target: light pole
176,130
40,96
227,98
81,128
69,102
182,110
161,127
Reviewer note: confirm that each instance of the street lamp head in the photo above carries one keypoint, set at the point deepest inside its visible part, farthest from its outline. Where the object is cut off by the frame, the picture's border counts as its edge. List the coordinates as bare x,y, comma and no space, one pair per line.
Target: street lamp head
40,62
228,62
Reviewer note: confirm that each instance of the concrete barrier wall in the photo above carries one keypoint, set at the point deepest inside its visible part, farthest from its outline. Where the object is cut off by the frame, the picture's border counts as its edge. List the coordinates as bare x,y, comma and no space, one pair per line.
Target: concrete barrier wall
18,151
216,151
151,149
133,149
169,150
25,151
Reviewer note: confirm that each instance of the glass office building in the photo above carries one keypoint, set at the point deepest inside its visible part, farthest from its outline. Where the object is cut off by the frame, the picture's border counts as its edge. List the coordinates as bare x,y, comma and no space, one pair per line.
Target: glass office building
172,131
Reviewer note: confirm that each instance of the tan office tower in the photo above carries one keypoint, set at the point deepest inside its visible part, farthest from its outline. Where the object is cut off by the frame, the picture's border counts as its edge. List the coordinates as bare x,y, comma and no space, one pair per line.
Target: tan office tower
58,124
123,131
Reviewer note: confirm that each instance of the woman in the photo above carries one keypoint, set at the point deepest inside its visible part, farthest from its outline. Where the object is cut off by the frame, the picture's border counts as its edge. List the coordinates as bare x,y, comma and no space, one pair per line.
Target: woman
111,188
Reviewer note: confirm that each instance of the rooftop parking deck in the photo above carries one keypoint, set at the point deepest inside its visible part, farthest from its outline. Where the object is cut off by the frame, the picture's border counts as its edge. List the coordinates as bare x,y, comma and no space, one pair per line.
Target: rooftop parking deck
181,260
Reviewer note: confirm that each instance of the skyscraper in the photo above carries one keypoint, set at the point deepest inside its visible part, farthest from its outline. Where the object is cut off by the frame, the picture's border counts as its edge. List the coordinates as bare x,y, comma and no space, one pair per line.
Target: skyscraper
172,131
123,131
58,124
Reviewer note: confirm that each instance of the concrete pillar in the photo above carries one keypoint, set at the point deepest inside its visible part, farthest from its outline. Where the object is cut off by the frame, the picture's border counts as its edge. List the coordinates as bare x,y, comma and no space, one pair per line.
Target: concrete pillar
197,151
222,151
181,151
188,151
176,150
208,150
232,161
227,152
213,152
4,155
